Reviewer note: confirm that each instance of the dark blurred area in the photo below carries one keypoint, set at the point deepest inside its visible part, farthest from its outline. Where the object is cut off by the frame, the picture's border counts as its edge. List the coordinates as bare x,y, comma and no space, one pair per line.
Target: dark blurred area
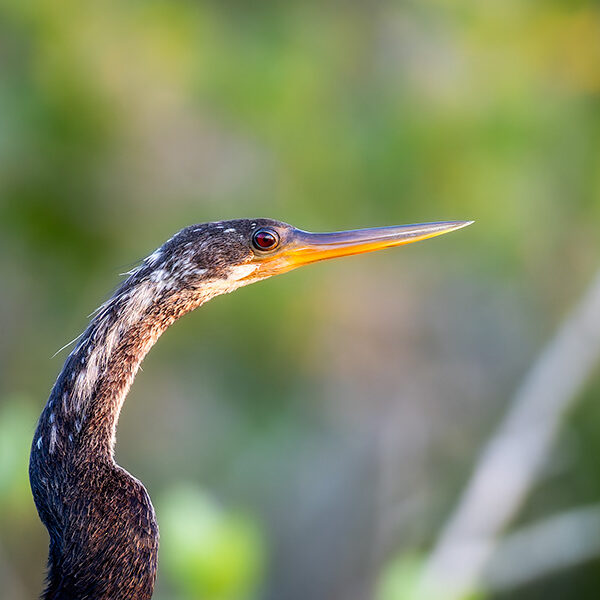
325,467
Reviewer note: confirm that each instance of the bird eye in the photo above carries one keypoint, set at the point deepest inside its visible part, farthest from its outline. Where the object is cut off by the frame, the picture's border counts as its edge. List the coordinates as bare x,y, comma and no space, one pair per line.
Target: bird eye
265,239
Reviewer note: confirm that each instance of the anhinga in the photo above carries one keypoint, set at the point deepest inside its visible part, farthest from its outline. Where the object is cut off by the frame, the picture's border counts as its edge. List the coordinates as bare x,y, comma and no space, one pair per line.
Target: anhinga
103,531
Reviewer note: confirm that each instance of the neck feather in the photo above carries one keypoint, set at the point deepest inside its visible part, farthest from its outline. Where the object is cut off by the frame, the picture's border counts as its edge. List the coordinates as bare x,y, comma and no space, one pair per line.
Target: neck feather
86,400
90,390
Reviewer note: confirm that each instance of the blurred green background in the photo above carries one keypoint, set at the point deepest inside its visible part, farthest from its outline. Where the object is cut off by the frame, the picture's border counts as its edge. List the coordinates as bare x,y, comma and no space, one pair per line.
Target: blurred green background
325,468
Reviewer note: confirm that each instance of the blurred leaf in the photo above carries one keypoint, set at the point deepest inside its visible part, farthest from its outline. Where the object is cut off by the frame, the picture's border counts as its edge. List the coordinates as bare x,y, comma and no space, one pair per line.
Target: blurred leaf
207,552
399,577
17,423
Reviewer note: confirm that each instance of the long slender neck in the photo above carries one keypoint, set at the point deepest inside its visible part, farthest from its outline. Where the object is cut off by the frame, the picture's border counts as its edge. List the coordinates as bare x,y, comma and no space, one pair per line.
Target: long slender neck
86,400
103,531
84,406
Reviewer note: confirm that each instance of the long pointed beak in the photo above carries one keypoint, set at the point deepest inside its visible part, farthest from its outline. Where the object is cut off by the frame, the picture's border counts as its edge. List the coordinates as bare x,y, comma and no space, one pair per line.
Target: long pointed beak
304,248
312,247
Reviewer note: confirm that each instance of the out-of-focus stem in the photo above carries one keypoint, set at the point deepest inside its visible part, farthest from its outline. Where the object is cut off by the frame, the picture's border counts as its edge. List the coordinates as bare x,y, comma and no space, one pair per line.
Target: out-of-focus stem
509,465
553,544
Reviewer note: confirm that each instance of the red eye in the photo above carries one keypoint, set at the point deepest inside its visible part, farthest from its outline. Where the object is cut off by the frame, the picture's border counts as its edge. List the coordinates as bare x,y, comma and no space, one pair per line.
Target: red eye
265,239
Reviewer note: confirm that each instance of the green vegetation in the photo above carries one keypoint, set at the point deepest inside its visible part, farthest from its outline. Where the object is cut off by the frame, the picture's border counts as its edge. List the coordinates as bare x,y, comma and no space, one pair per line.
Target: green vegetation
325,465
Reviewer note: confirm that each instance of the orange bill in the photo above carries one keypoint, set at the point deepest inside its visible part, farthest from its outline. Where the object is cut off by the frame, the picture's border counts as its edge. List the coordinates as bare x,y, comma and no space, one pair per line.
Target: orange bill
302,247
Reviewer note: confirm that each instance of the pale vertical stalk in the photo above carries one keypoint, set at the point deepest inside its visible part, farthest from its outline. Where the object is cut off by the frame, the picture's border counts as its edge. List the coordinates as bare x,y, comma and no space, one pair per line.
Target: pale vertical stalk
509,465
549,546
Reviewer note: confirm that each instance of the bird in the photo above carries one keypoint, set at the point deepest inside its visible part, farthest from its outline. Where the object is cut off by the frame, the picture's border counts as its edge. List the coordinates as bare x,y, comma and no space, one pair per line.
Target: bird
103,532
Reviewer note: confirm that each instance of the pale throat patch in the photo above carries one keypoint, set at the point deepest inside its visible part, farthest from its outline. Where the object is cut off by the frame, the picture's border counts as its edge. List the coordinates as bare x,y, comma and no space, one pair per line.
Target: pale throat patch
241,271
233,281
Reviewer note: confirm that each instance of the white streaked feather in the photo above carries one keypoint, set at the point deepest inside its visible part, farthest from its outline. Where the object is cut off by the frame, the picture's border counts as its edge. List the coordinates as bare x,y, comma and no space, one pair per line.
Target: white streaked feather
155,256
53,435
67,345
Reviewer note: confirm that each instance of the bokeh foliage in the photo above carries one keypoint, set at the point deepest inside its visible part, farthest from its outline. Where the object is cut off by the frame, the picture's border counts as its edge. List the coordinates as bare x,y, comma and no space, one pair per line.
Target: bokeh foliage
121,122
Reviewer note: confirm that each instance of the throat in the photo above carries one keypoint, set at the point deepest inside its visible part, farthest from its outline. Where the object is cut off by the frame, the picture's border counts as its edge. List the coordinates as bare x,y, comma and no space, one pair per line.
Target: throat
84,406
85,403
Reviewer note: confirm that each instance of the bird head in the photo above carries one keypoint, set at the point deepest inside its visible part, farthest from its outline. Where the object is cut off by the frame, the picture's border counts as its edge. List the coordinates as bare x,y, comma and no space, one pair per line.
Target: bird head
222,256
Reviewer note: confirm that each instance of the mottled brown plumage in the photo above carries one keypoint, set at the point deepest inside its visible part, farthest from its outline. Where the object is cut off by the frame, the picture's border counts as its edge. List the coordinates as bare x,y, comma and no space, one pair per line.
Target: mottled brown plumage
103,531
